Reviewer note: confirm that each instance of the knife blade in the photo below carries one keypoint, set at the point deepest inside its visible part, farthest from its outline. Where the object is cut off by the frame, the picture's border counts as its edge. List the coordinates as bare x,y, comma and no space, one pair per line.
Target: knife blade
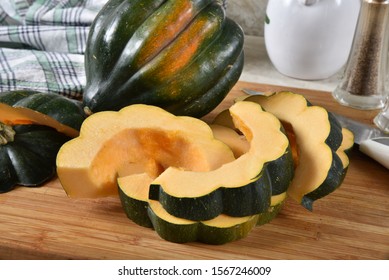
371,141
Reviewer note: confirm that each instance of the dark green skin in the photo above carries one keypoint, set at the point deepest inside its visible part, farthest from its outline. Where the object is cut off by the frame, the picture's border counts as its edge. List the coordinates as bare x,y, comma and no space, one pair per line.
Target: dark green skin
136,210
334,179
334,140
29,159
198,231
280,173
65,110
335,137
116,77
140,213
246,200
121,19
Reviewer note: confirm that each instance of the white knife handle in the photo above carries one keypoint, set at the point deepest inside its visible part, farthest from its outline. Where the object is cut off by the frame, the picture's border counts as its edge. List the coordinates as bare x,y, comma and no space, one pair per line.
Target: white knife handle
376,150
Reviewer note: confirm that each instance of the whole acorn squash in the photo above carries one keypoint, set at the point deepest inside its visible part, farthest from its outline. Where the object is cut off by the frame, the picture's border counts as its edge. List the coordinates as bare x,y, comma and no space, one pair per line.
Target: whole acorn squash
33,126
27,155
183,56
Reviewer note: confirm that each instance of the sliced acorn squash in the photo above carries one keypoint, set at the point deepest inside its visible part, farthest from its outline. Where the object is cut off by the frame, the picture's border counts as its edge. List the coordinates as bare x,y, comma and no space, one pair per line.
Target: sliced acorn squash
239,188
279,171
134,190
137,139
317,136
31,107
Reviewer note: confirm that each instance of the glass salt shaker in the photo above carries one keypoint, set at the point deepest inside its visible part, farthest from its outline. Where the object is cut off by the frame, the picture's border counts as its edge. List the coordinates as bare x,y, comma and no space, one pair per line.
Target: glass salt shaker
364,79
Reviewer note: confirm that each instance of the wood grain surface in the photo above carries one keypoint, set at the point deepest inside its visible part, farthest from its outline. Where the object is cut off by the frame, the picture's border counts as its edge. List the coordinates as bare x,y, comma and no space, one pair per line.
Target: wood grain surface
351,223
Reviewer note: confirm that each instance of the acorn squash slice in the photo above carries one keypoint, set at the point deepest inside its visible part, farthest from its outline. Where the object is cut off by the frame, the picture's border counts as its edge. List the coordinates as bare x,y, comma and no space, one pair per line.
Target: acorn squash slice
134,189
137,139
318,136
239,188
224,130
31,107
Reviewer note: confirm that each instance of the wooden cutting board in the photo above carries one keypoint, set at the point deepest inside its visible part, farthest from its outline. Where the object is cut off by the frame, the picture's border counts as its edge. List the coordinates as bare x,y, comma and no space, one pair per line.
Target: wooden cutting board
351,223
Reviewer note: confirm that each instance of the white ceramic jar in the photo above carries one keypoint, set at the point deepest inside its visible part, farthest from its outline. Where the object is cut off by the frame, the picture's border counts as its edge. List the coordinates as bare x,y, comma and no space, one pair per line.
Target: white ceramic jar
310,39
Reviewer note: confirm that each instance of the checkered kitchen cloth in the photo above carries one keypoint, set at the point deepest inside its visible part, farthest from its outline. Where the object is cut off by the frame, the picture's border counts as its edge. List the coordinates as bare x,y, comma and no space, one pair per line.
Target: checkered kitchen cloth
42,44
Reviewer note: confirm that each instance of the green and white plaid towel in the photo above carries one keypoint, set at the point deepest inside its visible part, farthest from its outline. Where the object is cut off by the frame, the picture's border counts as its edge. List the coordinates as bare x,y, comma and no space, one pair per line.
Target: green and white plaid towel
42,43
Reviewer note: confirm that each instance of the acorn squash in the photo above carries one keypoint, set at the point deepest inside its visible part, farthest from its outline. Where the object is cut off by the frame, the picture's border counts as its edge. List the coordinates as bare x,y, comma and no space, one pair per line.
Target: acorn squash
279,172
137,139
180,55
238,188
134,190
31,107
27,155
33,126
317,138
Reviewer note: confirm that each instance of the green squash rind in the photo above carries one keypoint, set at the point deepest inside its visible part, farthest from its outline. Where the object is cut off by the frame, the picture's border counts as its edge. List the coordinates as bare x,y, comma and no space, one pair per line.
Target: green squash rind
200,231
256,196
280,175
135,209
141,211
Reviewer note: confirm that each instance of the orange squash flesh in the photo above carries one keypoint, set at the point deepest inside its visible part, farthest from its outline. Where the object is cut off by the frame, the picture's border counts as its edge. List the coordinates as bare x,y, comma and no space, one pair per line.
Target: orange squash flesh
21,116
137,139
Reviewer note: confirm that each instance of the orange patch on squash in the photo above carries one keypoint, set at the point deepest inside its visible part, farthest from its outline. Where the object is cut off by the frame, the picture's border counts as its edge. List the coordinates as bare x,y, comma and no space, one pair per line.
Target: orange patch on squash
173,23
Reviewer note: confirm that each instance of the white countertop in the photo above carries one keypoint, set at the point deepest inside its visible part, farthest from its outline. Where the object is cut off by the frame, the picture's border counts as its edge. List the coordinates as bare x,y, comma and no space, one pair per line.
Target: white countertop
259,69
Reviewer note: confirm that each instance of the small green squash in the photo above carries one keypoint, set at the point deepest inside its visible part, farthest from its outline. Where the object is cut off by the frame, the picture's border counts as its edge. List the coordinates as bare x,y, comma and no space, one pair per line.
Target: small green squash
180,55
27,155
33,126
